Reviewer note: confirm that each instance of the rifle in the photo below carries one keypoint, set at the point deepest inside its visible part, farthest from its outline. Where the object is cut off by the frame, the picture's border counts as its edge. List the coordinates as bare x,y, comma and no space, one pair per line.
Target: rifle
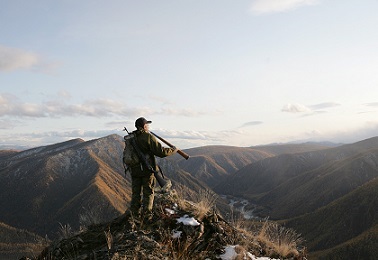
143,159
186,156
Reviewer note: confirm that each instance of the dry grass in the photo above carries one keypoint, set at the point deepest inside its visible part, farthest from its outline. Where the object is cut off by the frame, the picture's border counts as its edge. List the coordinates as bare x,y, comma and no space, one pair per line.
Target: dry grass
205,202
109,241
201,203
65,231
90,216
282,240
239,222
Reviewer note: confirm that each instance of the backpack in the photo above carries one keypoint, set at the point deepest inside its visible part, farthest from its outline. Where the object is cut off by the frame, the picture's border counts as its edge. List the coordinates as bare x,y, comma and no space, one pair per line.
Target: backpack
130,156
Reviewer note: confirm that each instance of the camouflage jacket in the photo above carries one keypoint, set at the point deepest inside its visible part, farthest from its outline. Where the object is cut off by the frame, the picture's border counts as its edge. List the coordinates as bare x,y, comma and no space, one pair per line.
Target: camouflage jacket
150,147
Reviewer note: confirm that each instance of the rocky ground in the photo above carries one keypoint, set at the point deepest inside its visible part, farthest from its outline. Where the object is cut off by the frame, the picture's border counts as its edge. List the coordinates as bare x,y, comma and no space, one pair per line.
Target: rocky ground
179,230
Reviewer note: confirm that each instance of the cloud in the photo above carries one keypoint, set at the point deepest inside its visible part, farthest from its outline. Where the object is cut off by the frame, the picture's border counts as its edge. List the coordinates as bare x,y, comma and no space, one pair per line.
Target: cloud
275,6
309,110
162,100
12,59
12,106
51,137
182,139
373,104
295,108
324,105
370,129
182,112
8,124
252,123
118,124
190,135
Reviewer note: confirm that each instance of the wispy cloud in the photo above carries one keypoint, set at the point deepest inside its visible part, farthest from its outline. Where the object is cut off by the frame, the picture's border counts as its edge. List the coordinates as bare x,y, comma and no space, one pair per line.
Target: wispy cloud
275,6
183,139
252,123
11,105
8,123
12,59
373,104
190,135
162,100
309,110
295,108
368,130
324,105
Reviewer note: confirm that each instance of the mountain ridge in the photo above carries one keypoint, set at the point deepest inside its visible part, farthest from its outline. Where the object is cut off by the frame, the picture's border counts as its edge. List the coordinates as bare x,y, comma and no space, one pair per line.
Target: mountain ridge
72,181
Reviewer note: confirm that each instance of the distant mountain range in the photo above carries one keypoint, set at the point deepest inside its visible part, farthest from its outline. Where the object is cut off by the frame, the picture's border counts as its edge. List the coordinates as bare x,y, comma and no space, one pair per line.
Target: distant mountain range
326,192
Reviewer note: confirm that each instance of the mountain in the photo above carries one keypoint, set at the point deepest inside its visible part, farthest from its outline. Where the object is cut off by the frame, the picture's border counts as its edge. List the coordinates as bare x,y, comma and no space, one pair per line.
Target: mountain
16,243
212,164
291,148
5,153
348,226
310,179
69,182
45,186
329,195
181,229
307,186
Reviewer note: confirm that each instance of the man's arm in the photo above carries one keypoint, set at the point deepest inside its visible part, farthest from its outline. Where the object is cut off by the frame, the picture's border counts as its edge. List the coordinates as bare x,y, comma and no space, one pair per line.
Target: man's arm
158,150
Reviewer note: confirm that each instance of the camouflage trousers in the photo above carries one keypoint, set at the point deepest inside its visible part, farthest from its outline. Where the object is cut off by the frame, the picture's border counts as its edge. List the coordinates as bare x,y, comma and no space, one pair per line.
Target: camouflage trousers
145,186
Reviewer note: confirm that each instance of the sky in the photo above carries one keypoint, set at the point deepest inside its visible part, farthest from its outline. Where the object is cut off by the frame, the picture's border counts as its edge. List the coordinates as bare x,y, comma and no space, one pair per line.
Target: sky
209,72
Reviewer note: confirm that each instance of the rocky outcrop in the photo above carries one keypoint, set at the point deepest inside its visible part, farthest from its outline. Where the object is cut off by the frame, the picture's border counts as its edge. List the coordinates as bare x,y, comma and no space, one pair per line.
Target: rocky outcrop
179,230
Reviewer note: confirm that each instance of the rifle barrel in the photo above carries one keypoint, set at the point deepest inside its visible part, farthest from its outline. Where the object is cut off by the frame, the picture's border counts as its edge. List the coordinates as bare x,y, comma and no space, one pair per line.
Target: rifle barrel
185,155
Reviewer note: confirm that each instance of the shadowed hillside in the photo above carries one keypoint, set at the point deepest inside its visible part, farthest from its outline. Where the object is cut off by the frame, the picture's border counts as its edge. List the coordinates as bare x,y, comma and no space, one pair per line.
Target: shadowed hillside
213,164
313,178
330,194
350,220
16,243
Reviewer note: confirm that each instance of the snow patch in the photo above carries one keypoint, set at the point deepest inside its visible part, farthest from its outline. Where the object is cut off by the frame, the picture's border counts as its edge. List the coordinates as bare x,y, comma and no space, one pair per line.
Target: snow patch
188,221
231,254
170,211
176,234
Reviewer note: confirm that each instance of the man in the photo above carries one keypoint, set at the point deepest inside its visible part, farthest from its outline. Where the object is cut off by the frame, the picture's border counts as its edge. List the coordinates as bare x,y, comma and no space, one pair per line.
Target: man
142,179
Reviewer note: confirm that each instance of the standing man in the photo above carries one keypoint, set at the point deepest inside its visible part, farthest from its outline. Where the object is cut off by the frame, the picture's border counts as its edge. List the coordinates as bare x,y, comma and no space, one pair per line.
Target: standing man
142,179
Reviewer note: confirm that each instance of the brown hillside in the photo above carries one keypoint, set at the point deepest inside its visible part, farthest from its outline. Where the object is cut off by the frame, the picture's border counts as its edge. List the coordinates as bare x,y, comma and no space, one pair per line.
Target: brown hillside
278,149
363,246
350,219
312,190
66,182
331,194
211,164
4,153
48,185
292,176
16,243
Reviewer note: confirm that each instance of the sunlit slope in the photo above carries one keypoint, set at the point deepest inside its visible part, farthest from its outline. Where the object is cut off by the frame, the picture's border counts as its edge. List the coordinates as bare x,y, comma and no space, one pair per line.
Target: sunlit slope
47,185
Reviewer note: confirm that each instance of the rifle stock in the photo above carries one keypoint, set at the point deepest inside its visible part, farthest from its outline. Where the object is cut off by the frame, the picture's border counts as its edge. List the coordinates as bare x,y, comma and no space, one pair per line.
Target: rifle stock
186,156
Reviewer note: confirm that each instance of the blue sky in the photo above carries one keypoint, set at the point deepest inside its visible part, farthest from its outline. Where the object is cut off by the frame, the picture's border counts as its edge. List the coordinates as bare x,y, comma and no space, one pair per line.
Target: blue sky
241,73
